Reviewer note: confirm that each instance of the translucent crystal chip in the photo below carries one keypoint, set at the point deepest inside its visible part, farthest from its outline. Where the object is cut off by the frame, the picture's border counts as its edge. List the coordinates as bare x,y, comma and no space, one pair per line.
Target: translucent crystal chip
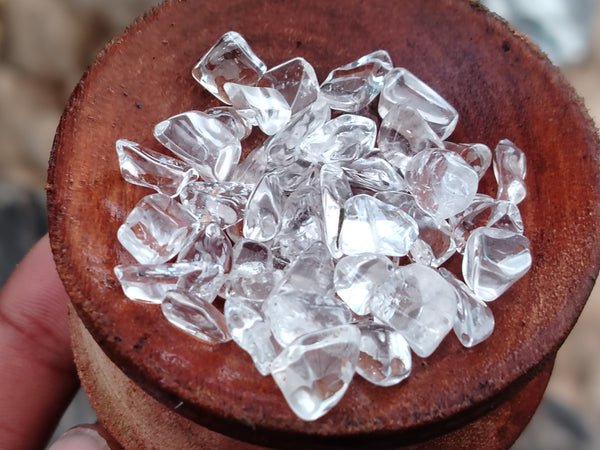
404,133
374,174
252,275
293,313
314,372
146,167
385,358
403,88
209,243
419,303
230,60
205,282
251,331
335,190
474,321
300,174
345,138
478,156
296,80
494,260
252,168
156,229
506,215
357,277
310,271
510,167
442,183
271,110
371,226
232,119
352,87
195,316
263,210
476,215
203,141
221,202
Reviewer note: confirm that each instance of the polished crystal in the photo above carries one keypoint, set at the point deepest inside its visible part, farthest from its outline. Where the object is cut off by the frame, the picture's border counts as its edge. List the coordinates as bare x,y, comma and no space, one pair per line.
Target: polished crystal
478,156
262,220
208,243
374,174
510,167
252,275
310,271
335,190
232,119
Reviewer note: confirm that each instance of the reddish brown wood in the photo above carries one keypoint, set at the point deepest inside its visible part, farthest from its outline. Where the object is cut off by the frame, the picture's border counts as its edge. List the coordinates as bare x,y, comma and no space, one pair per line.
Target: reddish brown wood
501,86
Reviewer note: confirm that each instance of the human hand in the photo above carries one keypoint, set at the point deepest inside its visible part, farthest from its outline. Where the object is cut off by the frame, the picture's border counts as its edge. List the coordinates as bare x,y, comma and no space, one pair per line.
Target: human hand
37,372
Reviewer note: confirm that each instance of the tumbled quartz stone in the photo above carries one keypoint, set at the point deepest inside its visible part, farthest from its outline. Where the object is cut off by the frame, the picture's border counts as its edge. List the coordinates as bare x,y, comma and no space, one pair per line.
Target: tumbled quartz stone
476,215
403,88
221,202
156,229
149,283
478,156
372,226
195,316
310,271
209,243
510,168
230,60
356,278
293,313
252,168
474,321
373,173
203,141
271,110
434,245
232,119
335,190
419,303
506,215
146,167
251,331
442,183
296,80
494,260
262,220
385,358
299,174
345,138
352,87
252,275
205,282
314,372
404,133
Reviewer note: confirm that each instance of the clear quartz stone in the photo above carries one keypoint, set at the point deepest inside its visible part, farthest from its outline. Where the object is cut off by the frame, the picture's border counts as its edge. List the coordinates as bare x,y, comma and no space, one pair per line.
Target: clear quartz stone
262,220
271,110
506,215
230,60
403,88
478,156
221,202
419,303
232,119
474,321
314,372
296,80
310,271
357,277
371,226
251,331
195,316
476,215
335,190
205,282
146,167
149,283
494,260
442,183
156,229
252,275
253,167
375,174
345,138
293,313
209,243
404,133
385,358
353,86
510,167
299,174
203,141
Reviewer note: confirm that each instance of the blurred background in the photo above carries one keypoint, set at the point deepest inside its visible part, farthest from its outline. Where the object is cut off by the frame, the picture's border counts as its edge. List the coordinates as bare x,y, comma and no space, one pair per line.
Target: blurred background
45,45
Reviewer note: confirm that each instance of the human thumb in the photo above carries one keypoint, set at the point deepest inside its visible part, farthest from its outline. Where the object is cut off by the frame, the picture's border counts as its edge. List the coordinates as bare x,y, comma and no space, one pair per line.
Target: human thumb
83,437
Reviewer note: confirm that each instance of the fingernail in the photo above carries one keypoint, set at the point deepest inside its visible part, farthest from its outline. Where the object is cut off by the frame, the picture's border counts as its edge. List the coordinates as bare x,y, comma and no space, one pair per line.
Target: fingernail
80,438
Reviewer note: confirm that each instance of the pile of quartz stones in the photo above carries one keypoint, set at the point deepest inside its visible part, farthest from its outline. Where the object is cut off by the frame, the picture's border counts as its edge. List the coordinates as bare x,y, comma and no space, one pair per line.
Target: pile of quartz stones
326,242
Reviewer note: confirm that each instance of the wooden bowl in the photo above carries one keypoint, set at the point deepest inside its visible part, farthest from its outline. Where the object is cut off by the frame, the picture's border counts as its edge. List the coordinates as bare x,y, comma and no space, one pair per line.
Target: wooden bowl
502,86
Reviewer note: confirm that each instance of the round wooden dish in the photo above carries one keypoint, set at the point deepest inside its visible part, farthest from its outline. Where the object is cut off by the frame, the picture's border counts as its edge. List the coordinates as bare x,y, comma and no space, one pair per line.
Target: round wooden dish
501,86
